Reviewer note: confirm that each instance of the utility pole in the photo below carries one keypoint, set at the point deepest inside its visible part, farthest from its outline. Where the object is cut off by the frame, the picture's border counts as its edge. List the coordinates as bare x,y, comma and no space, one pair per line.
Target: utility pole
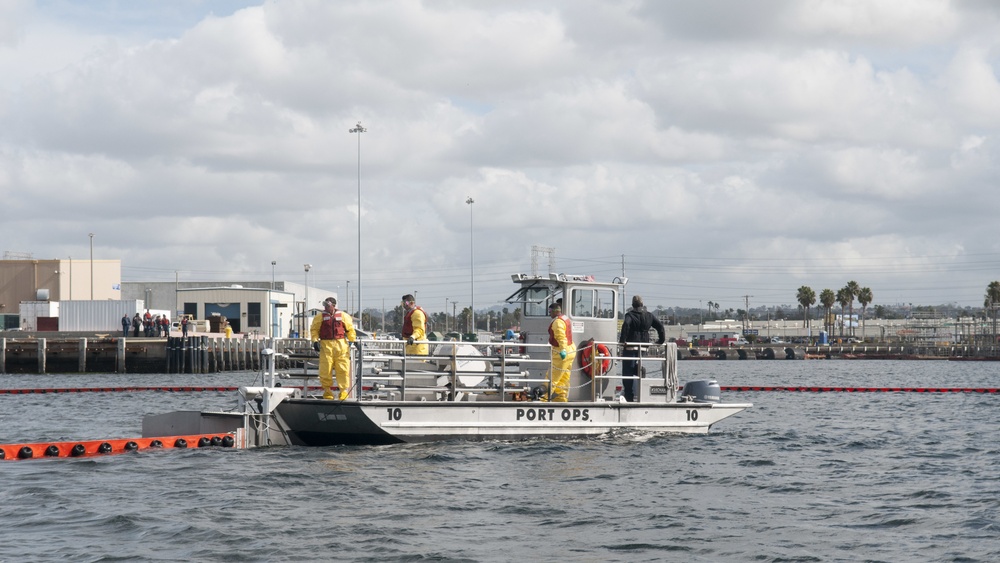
746,313
624,295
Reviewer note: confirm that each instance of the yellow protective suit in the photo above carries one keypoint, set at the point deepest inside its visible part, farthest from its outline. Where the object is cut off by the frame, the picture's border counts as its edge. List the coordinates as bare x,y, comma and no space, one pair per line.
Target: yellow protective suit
559,376
419,320
334,356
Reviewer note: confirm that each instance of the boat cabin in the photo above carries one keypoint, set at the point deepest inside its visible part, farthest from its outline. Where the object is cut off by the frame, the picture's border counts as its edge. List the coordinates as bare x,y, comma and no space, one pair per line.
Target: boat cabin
592,306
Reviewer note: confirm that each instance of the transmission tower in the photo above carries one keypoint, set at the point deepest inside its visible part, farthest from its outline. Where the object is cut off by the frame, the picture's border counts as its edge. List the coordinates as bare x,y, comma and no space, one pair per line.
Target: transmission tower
536,251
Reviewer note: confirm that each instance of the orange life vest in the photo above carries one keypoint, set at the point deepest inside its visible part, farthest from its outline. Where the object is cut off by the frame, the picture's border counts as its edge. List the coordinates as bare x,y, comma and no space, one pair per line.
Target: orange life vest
569,331
408,322
333,326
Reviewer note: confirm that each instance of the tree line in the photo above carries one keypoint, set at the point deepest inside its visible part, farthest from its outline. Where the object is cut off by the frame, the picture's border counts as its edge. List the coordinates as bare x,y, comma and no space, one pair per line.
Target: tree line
845,296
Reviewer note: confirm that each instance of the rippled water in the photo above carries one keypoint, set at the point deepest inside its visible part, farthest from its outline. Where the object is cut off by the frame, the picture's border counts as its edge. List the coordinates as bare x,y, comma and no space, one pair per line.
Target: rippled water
800,477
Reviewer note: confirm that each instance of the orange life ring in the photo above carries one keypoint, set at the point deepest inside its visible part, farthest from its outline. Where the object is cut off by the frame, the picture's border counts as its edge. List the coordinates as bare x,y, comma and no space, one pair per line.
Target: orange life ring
602,352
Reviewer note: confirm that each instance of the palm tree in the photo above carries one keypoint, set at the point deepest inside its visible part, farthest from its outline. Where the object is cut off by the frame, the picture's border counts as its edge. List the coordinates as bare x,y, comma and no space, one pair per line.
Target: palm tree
844,297
717,306
807,298
990,303
865,298
852,289
827,298
710,305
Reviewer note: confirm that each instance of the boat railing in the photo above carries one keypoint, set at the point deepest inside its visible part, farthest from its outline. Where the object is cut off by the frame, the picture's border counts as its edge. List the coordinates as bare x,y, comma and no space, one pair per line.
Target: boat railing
490,370
649,357
451,371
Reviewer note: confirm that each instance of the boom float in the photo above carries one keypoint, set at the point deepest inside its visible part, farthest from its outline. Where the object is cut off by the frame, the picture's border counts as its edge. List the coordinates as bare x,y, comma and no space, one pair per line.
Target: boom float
90,448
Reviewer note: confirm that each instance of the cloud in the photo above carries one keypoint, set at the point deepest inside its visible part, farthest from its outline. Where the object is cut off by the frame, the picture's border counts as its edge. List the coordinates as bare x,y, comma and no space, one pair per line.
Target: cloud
721,147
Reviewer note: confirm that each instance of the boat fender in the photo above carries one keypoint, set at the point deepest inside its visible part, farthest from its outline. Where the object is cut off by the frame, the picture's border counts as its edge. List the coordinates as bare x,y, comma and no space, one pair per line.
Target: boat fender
603,366
701,391
181,443
216,441
52,451
204,442
131,446
25,453
78,450
228,442
156,444
104,448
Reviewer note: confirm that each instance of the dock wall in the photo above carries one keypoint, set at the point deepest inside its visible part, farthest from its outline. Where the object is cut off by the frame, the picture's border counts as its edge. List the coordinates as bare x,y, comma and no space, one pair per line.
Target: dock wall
102,354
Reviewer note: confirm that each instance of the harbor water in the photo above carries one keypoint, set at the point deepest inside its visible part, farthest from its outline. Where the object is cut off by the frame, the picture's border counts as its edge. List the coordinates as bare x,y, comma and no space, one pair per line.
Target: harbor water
799,477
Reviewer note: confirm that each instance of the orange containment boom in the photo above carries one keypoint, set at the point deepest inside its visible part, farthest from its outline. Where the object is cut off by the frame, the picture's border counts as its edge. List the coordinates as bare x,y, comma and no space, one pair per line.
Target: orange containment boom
90,448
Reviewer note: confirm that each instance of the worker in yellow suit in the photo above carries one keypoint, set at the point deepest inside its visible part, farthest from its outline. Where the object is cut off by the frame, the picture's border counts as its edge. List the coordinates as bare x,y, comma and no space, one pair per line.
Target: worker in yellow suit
563,352
414,327
332,332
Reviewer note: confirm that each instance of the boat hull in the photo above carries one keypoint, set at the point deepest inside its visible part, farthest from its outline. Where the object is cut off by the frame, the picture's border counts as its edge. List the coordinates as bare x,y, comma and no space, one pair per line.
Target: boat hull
317,422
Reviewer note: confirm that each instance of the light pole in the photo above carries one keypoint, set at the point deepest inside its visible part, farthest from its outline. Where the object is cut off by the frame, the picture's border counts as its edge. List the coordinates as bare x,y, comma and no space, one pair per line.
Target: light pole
91,266
359,130
305,305
472,267
272,310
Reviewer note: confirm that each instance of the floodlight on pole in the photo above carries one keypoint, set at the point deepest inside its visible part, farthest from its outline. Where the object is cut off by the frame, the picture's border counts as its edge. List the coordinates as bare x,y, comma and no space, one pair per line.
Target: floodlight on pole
472,268
91,266
305,305
359,130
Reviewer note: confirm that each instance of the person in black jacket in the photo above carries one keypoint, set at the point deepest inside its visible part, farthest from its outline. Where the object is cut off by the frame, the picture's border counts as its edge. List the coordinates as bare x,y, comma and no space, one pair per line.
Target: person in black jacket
635,334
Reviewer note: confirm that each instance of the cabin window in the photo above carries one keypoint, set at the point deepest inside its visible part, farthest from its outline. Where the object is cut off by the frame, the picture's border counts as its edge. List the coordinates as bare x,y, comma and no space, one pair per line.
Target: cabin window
593,303
536,302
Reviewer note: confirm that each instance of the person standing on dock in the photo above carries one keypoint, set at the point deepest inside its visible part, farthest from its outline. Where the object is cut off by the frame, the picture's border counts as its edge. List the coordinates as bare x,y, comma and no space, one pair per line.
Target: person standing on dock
635,329
332,332
414,327
184,326
563,352
126,323
135,325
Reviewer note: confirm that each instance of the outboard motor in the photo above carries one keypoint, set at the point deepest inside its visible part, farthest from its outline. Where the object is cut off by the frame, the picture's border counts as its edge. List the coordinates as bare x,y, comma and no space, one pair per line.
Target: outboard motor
701,391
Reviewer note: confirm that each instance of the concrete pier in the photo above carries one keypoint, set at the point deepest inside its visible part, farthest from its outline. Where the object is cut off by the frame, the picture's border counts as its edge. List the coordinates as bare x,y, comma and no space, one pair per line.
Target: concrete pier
93,353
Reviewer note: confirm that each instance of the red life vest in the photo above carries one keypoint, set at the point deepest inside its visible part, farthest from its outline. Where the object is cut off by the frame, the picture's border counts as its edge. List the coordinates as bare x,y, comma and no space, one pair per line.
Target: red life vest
333,326
408,322
569,331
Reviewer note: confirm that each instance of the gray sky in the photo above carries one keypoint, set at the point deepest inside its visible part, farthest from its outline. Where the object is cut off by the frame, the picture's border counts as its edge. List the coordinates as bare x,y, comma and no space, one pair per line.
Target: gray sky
717,149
